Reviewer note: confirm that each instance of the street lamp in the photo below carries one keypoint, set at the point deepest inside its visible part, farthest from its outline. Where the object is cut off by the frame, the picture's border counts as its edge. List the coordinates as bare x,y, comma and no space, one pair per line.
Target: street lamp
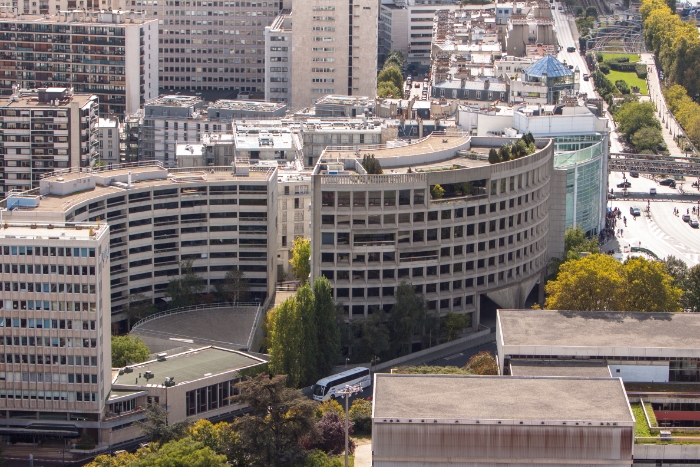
348,391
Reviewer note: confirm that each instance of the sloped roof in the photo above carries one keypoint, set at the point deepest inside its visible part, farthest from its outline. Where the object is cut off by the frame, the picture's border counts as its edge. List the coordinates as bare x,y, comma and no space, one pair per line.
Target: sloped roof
548,65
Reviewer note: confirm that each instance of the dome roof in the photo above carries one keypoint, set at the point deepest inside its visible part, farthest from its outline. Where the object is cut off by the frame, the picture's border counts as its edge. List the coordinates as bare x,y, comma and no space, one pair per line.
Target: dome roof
550,66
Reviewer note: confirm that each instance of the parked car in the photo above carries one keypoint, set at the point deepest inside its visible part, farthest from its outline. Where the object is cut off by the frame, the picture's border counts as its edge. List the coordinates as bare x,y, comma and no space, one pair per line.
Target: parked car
652,191
586,77
634,174
570,48
667,182
635,211
611,196
560,8
693,223
686,217
624,184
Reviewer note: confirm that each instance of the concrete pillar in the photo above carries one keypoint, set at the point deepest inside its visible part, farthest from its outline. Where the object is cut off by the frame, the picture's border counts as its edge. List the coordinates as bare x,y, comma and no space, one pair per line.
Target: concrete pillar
477,313
540,292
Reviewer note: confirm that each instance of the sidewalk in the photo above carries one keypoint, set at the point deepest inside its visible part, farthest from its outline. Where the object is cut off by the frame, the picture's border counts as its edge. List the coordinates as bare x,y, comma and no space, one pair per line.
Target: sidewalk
363,455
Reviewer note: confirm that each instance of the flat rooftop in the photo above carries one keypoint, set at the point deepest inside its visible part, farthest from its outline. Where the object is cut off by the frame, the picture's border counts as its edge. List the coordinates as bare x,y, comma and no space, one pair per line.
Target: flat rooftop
56,232
29,99
599,329
189,366
554,368
500,398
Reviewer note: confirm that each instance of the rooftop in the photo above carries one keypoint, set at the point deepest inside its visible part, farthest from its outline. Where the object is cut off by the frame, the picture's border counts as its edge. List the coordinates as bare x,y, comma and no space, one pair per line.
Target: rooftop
600,329
30,98
549,66
38,231
346,100
107,122
556,368
247,105
74,17
189,366
453,397
174,100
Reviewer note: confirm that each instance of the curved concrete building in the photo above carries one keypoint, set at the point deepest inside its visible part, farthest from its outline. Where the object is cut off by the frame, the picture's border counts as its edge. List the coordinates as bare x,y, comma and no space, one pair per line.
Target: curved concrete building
486,234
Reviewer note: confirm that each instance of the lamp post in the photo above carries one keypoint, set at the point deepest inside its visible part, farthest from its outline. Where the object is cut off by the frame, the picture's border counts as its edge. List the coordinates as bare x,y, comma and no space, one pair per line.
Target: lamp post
347,391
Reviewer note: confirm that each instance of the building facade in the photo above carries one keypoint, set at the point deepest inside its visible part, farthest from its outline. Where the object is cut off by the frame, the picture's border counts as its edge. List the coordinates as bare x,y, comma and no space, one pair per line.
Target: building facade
334,49
112,54
487,233
219,219
44,130
109,138
294,216
56,365
278,59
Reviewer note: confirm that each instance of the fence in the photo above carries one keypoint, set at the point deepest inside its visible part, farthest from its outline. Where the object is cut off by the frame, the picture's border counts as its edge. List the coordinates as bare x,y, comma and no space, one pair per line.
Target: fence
187,309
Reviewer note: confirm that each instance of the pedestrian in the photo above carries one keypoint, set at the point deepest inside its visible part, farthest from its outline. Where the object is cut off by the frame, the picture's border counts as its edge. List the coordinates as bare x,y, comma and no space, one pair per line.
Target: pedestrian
621,232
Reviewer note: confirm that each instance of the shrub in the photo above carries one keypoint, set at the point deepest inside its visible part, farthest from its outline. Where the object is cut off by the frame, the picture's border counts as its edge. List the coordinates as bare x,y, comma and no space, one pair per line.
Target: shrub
641,70
604,68
328,406
622,86
331,439
494,158
85,443
622,60
437,191
360,415
599,57
622,66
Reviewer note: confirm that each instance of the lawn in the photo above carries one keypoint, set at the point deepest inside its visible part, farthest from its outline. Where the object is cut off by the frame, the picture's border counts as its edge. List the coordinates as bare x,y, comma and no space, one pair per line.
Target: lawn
611,57
631,78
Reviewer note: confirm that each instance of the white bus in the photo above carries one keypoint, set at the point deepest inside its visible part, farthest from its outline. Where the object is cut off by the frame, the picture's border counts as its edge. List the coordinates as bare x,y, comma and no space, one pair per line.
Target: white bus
326,387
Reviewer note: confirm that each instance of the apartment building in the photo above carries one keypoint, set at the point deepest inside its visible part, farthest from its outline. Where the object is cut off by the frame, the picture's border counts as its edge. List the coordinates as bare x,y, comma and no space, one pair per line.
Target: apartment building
43,130
278,59
407,26
56,365
293,214
49,7
211,45
109,139
334,49
487,234
317,134
220,218
110,54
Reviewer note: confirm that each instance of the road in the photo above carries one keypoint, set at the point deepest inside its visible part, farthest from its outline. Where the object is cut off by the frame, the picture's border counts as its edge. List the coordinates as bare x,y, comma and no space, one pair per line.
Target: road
563,29
663,233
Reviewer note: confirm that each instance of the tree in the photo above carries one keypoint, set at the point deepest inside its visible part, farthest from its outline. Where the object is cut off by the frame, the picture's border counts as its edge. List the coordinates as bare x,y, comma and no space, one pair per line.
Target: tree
691,298
375,338
156,429
494,158
183,290
649,287
589,283
301,252
220,438
409,317
327,330
331,435
329,405
437,191
138,307
361,415
395,58
371,165
234,288
387,89
285,342
455,323
592,11
127,350
391,74
632,116
482,363
181,453
308,342
647,138
279,419
576,242
320,459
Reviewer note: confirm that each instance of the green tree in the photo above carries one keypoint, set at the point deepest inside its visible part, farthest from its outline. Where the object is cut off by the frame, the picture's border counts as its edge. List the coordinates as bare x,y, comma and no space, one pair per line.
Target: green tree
375,338
371,165
329,405
482,363
183,290
360,414
691,298
455,323
278,420
647,138
220,438
391,74
394,58
308,342
155,426
301,253
649,287
494,158
437,191
408,318
388,89
576,242
127,350
633,116
181,453
327,330
592,11
234,288
285,342
138,307
589,283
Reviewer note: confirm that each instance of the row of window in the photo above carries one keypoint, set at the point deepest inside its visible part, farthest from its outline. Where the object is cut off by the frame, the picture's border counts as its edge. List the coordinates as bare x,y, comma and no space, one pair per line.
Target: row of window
49,395
48,251
60,269
47,288
79,360
48,306
32,323
69,342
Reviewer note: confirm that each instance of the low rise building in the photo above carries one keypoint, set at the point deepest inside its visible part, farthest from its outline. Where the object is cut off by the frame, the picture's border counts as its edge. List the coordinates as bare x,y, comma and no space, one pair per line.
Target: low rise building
44,130
226,110
259,142
547,81
490,420
637,347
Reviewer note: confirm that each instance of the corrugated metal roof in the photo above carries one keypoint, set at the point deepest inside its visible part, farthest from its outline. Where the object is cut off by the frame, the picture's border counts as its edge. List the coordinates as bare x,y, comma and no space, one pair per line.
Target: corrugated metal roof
549,65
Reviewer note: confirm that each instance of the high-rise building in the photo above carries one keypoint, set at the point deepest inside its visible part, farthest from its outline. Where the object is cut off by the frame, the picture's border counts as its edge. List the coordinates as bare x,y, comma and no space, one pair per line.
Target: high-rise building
334,49
43,130
278,59
109,138
56,329
112,54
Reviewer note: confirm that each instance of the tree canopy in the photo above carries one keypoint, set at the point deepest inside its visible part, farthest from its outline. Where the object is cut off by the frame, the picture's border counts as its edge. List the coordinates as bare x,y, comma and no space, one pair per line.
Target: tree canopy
601,283
184,290
482,363
371,165
234,288
391,74
409,317
301,254
127,350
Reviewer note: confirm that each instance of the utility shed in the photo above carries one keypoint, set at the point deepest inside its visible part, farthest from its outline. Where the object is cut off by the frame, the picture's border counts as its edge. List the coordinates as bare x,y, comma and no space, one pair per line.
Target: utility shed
467,421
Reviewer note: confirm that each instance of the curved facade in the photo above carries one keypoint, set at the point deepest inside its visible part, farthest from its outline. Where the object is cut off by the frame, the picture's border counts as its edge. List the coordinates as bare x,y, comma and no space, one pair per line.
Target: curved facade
219,219
371,232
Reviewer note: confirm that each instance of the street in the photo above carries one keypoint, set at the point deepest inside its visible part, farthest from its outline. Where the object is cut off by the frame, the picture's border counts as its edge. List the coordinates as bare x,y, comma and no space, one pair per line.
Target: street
663,232
562,26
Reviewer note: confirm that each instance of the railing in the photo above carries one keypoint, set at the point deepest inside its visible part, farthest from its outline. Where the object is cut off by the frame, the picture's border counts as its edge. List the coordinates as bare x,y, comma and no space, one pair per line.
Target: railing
86,170
372,179
458,199
187,309
256,322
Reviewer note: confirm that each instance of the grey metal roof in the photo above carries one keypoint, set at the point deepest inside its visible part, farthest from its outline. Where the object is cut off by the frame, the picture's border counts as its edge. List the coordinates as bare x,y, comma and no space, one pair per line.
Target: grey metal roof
555,368
549,65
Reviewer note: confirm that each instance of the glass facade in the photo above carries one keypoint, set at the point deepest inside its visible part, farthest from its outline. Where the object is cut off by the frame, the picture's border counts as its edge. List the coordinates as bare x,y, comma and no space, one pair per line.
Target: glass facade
584,181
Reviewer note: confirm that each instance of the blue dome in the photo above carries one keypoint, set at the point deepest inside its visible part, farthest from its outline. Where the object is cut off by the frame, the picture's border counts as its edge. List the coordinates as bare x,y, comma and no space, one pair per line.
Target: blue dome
550,66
